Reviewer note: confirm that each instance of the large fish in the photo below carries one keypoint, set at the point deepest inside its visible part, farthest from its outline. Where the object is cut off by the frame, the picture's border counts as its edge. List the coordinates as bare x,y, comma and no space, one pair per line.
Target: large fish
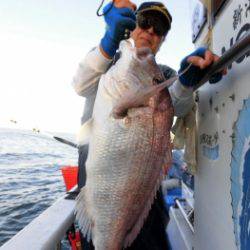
129,144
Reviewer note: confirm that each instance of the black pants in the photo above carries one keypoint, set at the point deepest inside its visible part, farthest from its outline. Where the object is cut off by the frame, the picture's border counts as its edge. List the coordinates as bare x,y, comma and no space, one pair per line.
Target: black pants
153,235
83,153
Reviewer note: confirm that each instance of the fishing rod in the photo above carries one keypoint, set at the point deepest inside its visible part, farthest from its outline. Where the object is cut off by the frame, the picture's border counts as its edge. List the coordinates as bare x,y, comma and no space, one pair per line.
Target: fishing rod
57,138
62,140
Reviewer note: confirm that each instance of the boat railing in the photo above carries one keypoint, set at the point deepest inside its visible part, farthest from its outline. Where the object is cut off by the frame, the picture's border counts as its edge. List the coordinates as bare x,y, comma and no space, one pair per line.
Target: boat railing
239,49
47,230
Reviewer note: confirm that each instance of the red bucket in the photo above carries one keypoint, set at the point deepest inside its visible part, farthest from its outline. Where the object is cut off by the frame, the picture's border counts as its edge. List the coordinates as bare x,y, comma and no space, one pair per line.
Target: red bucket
69,174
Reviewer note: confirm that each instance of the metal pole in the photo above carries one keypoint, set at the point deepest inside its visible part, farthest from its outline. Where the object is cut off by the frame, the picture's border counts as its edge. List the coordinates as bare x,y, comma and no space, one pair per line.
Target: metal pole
184,214
239,49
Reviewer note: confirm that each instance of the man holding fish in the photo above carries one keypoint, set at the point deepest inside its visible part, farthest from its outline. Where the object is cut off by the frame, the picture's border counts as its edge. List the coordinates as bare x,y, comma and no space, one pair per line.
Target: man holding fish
129,104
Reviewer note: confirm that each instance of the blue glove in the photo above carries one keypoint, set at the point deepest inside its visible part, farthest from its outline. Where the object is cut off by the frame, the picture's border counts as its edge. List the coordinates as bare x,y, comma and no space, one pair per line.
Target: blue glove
117,21
194,74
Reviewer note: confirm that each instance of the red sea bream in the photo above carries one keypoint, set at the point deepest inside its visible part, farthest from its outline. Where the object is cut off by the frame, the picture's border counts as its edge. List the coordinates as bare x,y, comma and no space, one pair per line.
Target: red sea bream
129,145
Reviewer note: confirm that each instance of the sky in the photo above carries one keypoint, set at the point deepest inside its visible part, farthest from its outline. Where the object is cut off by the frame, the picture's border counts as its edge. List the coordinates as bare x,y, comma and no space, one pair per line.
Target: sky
41,44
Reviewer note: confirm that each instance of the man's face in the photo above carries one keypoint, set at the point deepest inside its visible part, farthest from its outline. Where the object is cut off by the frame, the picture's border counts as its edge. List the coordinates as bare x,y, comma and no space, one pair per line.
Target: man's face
146,38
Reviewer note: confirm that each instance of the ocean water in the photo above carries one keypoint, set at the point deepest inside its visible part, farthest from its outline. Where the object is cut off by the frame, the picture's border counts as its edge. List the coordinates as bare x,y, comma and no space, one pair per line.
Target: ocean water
30,176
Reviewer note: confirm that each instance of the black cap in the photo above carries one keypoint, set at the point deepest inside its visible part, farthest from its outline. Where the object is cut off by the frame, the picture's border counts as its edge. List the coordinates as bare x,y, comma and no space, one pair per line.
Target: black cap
155,7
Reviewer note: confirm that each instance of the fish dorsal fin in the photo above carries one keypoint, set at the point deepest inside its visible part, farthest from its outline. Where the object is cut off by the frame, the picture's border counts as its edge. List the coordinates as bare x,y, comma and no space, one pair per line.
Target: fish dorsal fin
131,236
85,132
82,216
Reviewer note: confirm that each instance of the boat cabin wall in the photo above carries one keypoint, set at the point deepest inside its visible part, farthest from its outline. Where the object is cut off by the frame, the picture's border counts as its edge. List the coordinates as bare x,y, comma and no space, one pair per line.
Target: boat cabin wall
223,120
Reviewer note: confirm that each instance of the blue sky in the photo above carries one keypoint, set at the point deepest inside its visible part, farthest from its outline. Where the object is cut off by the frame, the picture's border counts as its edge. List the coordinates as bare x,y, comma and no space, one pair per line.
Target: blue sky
41,44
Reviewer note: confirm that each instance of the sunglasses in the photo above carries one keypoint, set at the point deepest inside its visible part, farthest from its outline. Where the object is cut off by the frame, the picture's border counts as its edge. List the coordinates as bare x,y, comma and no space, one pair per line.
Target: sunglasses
145,22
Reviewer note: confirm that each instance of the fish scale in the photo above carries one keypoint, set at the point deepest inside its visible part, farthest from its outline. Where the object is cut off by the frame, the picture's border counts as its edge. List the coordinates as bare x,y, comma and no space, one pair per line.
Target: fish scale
126,156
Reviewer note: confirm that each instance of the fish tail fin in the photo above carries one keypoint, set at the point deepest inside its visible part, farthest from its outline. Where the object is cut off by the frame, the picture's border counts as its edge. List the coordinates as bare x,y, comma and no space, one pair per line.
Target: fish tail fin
133,99
82,216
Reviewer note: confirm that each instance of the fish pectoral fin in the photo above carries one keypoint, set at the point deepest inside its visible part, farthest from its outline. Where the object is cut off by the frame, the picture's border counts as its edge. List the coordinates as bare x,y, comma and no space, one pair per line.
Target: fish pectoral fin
82,217
138,98
84,132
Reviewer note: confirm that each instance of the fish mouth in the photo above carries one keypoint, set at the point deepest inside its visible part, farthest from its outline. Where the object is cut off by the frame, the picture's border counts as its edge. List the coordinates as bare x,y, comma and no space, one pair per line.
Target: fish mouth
143,53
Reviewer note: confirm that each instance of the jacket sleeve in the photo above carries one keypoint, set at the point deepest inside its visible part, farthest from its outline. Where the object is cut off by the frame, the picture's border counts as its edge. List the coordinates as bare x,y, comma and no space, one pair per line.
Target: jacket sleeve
89,72
182,98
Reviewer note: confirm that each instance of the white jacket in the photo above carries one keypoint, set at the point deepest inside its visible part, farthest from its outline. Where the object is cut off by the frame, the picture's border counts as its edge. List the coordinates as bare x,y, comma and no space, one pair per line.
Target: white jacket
89,72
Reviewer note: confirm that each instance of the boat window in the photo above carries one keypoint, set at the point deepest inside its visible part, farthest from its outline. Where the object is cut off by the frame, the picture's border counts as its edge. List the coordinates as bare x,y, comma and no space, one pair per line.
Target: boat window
199,18
217,5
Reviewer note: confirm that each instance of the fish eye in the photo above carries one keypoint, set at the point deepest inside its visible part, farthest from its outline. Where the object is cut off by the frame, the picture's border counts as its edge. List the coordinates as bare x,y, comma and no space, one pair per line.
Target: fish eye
157,80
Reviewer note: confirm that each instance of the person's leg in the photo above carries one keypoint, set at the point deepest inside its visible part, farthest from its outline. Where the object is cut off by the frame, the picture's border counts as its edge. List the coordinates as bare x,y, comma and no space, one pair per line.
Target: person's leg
153,234
81,180
85,244
82,157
